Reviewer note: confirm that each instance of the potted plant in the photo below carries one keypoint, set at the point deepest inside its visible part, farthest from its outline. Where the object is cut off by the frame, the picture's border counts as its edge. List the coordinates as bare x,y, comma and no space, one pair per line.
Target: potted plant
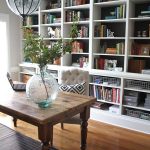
42,88
39,89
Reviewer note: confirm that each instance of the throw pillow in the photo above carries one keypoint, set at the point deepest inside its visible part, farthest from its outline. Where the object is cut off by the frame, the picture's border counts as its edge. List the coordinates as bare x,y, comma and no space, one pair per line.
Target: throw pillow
74,88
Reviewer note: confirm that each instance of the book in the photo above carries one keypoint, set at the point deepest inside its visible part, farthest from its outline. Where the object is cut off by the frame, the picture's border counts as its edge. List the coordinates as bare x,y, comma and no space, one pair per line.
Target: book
136,66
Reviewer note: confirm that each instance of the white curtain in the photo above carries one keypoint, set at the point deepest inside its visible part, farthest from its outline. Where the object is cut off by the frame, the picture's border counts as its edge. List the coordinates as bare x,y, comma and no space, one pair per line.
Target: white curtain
4,46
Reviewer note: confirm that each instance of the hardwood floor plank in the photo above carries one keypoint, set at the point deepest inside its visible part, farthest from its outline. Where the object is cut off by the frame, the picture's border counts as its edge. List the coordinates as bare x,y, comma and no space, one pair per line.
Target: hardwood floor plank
101,136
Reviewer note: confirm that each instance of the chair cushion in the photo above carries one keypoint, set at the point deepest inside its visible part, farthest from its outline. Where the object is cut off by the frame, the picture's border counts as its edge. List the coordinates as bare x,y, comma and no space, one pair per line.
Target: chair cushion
74,88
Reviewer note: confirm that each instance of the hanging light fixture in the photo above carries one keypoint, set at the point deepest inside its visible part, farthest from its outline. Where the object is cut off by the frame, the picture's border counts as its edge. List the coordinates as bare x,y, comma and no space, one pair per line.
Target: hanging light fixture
23,7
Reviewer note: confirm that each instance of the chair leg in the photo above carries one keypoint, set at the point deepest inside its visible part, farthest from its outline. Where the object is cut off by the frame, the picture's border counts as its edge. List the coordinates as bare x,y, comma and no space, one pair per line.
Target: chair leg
15,121
62,125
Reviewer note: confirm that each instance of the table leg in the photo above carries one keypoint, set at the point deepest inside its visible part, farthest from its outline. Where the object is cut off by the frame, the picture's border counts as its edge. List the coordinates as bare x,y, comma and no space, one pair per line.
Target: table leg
84,118
45,134
15,121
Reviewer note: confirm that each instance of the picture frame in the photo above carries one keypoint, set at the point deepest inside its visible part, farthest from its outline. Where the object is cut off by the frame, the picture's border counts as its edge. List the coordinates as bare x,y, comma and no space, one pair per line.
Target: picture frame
144,49
110,64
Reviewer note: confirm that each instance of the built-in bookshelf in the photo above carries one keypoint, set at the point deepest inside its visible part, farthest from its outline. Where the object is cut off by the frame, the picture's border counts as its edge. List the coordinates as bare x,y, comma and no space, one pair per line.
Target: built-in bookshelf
113,45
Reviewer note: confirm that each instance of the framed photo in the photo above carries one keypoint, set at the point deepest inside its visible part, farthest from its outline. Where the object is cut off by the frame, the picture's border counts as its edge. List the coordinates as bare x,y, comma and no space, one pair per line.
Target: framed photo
144,49
110,64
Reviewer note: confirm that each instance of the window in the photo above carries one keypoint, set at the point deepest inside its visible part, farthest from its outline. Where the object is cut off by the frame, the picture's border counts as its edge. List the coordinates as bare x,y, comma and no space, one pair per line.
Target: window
4,46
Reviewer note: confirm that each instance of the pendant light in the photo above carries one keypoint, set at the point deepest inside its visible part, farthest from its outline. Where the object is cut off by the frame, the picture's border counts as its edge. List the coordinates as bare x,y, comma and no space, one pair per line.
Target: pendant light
23,8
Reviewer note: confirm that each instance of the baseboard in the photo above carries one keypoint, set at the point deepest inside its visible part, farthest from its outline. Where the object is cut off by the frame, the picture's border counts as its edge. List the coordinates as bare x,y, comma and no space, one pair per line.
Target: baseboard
121,120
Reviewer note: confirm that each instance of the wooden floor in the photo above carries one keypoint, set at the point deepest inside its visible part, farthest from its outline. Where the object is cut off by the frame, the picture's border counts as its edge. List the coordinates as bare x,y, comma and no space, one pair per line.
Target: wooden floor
100,136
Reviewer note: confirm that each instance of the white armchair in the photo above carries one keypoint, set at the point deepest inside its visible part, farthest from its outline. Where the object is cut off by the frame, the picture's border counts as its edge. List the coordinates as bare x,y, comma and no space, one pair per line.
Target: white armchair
74,76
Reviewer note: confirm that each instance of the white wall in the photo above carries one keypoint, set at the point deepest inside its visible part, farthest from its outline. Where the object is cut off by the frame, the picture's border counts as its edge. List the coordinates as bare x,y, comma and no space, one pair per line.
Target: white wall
15,36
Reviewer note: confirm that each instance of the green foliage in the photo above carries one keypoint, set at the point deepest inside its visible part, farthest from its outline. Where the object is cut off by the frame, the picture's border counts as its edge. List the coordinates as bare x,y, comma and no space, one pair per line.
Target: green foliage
74,27
37,51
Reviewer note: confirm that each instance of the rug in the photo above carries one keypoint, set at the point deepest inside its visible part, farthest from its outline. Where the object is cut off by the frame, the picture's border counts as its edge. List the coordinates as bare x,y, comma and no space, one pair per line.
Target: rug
12,140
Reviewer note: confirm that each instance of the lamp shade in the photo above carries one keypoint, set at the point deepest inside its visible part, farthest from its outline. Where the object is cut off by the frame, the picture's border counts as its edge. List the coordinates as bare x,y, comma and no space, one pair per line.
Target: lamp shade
23,7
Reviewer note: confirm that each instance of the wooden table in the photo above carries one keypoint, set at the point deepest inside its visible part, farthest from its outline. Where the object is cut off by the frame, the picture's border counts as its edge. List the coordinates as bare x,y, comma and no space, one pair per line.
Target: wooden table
66,105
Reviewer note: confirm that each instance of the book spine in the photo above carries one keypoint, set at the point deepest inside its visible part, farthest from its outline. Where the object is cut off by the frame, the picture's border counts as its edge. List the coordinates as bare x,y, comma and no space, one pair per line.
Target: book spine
149,30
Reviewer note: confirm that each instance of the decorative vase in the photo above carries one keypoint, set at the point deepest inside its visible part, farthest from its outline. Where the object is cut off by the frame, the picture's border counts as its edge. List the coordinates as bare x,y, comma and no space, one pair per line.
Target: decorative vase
42,88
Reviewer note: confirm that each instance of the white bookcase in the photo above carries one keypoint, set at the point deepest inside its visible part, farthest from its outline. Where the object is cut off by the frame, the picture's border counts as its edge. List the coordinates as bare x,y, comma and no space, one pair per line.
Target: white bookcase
113,27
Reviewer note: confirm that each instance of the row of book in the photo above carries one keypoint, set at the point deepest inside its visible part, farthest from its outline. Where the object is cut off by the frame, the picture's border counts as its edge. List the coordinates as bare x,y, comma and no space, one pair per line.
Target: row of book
75,2
50,18
53,4
119,12
98,1
105,93
83,31
79,15
31,20
103,31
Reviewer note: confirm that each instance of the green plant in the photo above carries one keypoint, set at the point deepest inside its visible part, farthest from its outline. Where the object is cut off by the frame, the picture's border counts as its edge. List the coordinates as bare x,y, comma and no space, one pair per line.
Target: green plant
38,52
74,28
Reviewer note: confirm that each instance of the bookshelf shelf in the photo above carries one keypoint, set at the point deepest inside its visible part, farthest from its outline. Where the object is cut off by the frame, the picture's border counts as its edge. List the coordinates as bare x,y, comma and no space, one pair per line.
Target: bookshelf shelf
116,55
137,107
52,39
76,53
110,3
138,90
142,56
140,19
57,10
110,20
110,38
51,24
32,26
84,6
139,38
79,38
79,22
111,86
104,101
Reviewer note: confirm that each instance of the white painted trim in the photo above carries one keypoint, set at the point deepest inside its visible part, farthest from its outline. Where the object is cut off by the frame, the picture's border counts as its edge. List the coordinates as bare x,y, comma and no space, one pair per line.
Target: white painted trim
121,121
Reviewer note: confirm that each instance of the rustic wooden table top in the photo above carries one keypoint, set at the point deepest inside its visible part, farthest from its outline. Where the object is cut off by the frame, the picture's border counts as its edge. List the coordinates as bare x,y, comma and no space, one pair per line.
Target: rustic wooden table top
17,104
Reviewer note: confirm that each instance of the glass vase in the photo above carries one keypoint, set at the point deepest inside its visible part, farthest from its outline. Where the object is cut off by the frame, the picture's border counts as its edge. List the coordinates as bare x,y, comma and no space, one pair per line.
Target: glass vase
42,88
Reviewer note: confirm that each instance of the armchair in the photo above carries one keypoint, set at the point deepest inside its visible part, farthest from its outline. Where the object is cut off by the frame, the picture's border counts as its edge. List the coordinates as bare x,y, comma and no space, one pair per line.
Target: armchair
73,76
